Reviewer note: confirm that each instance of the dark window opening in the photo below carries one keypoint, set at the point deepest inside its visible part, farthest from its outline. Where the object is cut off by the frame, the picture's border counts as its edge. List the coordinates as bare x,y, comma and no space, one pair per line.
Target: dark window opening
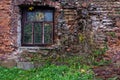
37,26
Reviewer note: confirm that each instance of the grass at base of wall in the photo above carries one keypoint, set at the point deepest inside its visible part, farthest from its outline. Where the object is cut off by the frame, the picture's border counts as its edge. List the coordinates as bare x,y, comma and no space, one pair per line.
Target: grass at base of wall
48,72
61,68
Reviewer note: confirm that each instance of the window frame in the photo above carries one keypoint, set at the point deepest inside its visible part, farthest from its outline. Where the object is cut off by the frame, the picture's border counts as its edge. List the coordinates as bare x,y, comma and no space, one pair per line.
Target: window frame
24,21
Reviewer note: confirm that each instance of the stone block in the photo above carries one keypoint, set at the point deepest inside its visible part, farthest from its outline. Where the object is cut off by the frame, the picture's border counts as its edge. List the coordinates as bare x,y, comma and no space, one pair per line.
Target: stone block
25,65
8,63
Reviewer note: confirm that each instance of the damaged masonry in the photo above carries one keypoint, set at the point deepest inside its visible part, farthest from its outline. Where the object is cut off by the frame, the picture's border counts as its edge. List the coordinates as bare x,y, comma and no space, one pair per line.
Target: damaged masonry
58,27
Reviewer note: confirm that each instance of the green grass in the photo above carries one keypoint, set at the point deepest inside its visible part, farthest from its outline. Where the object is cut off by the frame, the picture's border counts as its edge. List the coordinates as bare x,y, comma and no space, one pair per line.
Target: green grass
70,68
48,72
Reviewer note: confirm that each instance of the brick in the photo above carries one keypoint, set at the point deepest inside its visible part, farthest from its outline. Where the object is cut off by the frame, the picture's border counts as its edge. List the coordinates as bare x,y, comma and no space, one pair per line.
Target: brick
9,13
118,24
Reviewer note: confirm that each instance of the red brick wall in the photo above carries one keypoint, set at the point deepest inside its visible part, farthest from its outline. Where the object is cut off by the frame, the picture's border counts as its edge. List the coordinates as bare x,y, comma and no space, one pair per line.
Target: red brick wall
5,42
9,12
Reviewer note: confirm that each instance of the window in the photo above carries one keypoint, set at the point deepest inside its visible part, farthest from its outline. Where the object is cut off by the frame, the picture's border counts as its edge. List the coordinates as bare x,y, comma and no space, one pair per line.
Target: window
37,27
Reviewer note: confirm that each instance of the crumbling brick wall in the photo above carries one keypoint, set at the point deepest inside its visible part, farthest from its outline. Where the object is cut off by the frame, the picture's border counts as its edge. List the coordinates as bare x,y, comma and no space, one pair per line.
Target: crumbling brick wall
5,17
103,15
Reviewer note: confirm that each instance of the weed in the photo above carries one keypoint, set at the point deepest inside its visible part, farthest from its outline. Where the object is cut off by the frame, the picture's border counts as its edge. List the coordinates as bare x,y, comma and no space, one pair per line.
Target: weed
112,34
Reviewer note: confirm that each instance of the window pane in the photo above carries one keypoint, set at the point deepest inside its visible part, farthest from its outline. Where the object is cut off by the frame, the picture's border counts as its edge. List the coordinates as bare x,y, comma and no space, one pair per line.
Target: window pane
47,33
30,16
27,37
38,33
39,16
48,16
35,16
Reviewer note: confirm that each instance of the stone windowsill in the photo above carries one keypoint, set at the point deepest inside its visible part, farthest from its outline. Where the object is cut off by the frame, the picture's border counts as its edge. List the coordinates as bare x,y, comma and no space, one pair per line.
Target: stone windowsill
34,49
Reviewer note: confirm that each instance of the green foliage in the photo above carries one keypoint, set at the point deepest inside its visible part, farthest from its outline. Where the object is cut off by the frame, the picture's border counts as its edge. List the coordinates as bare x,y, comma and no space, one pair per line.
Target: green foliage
114,78
101,51
111,34
70,67
101,62
48,72
97,57
77,67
